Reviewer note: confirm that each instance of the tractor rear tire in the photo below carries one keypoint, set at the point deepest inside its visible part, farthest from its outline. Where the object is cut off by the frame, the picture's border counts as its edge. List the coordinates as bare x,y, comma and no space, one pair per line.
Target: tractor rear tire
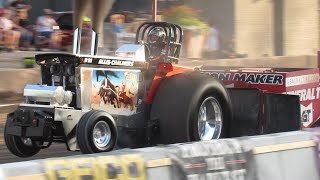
184,102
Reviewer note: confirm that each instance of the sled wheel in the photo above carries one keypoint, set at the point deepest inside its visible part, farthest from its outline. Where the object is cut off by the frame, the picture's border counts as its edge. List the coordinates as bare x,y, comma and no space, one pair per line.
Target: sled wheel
96,132
190,107
20,146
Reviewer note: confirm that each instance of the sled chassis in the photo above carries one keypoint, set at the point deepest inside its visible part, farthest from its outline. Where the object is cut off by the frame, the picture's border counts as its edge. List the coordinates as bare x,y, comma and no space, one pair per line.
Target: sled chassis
98,103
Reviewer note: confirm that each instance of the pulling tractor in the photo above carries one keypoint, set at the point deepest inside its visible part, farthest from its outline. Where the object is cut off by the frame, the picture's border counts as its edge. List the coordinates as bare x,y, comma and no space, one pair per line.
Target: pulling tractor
98,103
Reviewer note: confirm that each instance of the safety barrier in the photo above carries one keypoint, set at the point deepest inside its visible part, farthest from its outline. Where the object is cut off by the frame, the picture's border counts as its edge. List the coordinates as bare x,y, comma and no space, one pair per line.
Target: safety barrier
283,156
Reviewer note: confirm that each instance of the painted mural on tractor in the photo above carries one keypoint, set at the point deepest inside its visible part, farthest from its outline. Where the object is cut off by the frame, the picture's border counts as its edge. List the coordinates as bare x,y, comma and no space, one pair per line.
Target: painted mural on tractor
115,91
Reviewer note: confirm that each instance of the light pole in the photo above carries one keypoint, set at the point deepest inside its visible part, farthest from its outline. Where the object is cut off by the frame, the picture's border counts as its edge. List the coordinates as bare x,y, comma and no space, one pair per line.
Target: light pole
154,10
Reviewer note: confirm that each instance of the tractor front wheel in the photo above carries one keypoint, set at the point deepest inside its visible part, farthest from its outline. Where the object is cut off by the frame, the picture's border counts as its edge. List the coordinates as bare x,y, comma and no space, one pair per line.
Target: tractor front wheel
96,132
20,146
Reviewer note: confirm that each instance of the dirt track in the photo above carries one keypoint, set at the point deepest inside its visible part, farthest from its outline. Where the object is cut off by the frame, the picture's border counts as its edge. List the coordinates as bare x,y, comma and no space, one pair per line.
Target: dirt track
10,98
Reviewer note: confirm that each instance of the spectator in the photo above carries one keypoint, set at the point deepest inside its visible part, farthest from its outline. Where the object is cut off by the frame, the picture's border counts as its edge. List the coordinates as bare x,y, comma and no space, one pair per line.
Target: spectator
229,50
20,4
118,30
117,21
9,35
26,38
21,19
213,43
86,32
21,9
46,27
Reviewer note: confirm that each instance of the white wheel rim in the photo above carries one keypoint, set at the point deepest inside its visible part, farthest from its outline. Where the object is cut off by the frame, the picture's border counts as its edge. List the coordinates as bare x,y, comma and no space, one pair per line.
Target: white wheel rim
101,135
209,119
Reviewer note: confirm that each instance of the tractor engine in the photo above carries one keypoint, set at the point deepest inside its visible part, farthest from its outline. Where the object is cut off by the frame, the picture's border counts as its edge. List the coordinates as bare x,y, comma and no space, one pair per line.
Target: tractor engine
49,95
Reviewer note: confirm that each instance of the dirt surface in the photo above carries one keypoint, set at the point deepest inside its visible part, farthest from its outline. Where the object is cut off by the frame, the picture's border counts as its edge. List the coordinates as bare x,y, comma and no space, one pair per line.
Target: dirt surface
7,99
10,98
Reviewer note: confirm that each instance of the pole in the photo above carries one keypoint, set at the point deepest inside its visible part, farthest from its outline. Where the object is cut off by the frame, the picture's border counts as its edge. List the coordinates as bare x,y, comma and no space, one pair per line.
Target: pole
154,10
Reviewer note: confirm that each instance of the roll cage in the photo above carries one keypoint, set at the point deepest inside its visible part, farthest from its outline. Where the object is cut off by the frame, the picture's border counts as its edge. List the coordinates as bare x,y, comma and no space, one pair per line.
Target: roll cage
173,39
174,35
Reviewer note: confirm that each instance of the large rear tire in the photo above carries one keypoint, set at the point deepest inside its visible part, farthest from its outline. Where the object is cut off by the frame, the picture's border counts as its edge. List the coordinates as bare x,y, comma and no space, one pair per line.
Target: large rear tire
96,132
19,146
192,107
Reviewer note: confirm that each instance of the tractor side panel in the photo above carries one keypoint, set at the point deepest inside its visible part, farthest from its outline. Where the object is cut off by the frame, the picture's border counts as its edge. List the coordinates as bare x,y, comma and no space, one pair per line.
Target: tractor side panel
112,90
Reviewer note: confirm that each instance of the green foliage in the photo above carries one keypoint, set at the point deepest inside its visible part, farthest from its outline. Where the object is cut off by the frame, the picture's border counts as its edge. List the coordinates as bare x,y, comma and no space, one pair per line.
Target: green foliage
28,61
184,16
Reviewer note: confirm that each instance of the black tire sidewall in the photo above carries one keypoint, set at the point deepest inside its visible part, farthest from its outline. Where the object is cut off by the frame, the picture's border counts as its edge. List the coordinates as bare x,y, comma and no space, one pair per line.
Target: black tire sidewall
178,118
85,132
110,145
16,146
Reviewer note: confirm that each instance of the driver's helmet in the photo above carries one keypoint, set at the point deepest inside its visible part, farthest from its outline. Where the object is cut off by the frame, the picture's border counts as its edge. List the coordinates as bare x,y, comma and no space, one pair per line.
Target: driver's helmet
156,36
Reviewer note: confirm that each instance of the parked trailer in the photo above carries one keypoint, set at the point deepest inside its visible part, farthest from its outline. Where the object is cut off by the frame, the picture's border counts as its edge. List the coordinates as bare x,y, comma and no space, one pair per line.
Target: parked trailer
98,103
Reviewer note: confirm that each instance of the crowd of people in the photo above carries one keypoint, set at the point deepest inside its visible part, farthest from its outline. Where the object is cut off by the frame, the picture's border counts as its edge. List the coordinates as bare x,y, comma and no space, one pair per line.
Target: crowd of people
17,33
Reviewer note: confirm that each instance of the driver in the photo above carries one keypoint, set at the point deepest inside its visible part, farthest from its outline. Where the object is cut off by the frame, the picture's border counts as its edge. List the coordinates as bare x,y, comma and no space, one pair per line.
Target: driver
157,45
